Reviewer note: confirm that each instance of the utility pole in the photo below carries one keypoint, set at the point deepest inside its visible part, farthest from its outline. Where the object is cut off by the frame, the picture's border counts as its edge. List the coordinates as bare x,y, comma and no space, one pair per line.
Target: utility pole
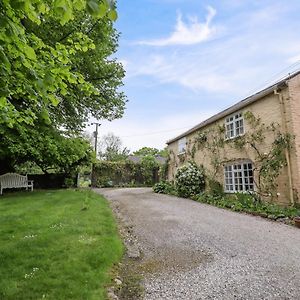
96,135
96,142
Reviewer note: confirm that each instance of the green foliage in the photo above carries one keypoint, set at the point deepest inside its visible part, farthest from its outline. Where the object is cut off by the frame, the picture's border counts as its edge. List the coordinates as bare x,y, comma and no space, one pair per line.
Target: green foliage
163,170
268,162
112,149
148,151
63,245
45,147
248,203
189,180
164,187
37,71
149,167
150,160
215,188
57,70
123,173
273,162
69,182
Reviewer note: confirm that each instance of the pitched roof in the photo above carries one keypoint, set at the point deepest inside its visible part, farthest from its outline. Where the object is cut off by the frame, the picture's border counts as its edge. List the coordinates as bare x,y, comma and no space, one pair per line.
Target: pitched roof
243,103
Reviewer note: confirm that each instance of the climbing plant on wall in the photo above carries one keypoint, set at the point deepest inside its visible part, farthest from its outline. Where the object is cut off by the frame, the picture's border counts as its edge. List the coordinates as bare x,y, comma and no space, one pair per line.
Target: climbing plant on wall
270,158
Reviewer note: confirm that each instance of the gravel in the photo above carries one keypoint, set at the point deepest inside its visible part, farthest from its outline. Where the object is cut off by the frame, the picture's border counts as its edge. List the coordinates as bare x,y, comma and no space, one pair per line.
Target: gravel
191,250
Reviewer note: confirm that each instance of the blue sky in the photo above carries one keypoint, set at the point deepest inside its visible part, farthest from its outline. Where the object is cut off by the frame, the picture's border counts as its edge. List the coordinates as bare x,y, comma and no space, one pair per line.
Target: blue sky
186,60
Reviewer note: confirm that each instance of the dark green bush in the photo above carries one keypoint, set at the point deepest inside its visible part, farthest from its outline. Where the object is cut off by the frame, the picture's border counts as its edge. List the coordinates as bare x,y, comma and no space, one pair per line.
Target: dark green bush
215,188
124,173
164,187
248,203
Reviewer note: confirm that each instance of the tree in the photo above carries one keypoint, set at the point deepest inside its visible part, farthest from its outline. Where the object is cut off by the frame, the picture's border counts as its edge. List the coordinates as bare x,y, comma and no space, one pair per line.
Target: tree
36,73
112,149
148,151
47,147
50,54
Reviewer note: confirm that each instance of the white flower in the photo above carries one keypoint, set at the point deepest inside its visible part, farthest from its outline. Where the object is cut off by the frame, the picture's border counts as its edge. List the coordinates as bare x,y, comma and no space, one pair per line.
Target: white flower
31,236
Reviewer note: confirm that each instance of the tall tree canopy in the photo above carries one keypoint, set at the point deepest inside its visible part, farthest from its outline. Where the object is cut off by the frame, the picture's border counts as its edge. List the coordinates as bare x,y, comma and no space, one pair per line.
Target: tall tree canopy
56,70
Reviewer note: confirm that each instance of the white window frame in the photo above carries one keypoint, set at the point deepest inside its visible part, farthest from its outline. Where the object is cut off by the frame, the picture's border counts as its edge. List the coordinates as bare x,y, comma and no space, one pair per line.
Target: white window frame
234,126
239,177
182,145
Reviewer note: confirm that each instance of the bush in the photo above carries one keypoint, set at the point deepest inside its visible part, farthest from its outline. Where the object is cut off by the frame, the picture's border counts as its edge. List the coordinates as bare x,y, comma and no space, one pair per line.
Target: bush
124,173
248,203
189,180
164,188
215,188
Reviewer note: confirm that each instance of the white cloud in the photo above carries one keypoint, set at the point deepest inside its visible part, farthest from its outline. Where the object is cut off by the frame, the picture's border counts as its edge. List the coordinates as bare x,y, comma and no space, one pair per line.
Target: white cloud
183,69
190,33
238,63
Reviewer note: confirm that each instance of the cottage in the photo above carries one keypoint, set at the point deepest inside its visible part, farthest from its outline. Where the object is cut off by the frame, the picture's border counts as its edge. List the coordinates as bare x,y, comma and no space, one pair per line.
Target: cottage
253,146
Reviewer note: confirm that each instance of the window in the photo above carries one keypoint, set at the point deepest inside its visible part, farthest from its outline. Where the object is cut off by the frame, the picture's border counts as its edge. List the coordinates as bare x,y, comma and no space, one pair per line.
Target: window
234,126
239,177
181,145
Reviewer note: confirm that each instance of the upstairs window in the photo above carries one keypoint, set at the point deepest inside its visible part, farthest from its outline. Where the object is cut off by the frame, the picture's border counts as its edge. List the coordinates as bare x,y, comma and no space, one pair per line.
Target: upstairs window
239,177
182,145
234,126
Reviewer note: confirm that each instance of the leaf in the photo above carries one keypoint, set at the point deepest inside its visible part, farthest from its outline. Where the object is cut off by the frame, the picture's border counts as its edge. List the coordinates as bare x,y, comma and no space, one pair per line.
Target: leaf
96,9
92,7
79,4
45,116
63,10
112,15
54,100
3,102
4,60
43,8
30,53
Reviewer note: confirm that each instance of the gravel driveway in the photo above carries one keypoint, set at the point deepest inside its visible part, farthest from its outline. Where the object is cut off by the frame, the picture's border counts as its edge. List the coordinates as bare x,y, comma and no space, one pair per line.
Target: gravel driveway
196,251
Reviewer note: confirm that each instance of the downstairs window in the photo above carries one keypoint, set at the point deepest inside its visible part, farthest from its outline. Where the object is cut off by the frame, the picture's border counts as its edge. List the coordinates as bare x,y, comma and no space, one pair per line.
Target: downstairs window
239,177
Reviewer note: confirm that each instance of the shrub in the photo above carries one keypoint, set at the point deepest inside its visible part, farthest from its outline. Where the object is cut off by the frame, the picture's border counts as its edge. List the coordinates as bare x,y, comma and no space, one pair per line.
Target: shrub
69,182
215,188
248,203
189,180
124,173
164,187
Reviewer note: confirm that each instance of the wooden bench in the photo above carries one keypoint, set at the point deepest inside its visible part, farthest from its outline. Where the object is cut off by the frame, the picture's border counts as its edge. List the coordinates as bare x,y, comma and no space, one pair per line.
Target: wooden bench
14,181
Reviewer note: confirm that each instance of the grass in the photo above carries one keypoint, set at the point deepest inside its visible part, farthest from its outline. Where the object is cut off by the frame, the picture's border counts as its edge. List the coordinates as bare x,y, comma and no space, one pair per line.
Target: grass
57,244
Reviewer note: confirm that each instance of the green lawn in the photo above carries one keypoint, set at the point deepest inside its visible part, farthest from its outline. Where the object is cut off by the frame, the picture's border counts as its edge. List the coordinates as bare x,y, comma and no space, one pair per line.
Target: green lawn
56,245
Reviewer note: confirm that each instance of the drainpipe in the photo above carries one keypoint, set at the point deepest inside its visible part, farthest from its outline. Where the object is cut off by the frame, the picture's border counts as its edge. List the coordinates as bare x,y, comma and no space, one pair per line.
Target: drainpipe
287,152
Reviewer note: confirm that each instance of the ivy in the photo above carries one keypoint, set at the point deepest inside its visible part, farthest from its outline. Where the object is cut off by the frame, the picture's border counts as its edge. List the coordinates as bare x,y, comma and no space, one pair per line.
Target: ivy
269,159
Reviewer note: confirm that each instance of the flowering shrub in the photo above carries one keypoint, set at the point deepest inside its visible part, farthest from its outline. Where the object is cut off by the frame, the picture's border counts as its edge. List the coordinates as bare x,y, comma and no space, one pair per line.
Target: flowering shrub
164,187
189,180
